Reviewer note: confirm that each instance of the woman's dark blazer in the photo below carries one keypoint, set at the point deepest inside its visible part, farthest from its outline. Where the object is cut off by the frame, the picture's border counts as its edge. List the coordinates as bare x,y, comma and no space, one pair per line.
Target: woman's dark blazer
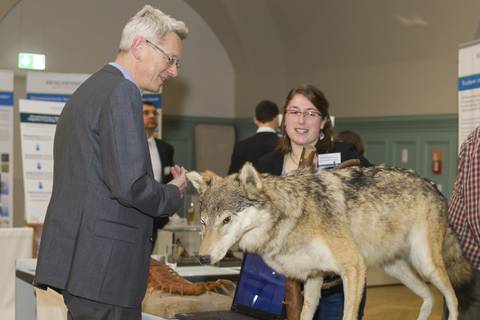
272,162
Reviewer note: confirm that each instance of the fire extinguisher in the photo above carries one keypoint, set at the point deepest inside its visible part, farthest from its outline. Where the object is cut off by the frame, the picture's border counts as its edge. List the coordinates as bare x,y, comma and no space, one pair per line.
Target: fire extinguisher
436,163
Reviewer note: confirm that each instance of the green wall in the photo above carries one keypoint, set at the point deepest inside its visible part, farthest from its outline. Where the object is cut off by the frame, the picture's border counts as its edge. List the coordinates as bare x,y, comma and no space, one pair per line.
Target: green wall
386,140
180,132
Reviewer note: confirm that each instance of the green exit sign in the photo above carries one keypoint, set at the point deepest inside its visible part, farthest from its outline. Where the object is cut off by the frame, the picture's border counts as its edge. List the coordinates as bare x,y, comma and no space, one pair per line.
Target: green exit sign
31,61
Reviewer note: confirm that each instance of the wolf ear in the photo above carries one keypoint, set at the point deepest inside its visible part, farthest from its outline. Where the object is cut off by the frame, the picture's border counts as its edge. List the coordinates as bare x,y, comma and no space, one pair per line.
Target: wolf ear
209,177
201,181
250,177
196,179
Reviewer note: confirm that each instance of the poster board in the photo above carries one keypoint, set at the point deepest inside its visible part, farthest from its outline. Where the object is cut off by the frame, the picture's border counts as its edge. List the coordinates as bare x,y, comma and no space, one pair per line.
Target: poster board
38,121
6,148
468,89
49,86
47,93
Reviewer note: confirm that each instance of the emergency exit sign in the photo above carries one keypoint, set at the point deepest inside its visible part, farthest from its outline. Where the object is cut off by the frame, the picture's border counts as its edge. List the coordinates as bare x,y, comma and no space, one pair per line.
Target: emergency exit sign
31,61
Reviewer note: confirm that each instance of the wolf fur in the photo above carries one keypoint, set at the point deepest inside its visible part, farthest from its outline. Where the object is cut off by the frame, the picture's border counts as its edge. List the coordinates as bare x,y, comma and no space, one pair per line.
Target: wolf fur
308,224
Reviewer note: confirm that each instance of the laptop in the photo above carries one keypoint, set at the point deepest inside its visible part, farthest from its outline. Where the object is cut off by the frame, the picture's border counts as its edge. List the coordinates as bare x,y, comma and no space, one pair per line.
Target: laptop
259,294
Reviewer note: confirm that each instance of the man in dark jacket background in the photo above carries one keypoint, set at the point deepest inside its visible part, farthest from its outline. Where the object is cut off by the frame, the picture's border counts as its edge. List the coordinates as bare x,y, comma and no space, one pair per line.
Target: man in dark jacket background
264,141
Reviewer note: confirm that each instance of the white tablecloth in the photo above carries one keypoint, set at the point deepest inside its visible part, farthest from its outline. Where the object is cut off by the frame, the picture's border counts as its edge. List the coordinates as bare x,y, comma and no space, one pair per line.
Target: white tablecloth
15,243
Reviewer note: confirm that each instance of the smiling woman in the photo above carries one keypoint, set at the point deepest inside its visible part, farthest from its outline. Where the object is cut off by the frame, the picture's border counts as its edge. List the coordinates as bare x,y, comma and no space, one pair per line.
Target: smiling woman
307,124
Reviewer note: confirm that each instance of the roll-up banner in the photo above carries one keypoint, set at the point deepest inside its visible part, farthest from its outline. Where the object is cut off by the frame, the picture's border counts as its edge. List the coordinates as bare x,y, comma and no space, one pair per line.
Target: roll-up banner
38,121
6,148
46,94
47,86
468,89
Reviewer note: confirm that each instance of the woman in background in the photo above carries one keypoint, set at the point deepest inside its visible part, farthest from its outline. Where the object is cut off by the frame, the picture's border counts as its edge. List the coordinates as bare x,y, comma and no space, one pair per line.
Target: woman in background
307,122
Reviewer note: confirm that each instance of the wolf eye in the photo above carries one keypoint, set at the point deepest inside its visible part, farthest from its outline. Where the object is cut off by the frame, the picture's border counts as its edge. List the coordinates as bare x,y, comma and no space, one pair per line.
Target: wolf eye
202,222
227,220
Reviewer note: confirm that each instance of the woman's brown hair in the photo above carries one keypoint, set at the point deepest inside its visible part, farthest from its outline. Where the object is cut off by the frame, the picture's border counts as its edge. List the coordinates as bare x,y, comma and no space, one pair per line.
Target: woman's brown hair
317,98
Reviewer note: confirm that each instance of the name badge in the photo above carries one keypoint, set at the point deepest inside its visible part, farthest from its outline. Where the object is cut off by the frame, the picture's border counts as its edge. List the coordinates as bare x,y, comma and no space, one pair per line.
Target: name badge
329,160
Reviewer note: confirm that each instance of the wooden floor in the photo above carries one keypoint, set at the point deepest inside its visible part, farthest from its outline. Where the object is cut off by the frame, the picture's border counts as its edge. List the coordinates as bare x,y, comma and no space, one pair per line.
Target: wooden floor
397,302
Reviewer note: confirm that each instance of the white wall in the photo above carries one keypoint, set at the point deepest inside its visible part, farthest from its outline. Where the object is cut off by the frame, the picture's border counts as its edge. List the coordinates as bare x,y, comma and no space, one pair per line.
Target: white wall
368,56
81,36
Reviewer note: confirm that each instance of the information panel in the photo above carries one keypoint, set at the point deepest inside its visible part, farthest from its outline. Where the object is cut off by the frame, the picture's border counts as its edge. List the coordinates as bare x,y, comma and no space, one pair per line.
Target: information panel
6,148
38,121
468,89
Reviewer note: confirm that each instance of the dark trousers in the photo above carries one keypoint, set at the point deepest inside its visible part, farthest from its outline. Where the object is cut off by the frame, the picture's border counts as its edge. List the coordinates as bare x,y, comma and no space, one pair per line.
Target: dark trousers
332,301
468,299
84,309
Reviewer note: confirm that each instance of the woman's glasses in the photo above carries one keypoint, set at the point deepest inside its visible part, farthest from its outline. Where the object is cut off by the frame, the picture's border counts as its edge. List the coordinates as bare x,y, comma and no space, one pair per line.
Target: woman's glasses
309,114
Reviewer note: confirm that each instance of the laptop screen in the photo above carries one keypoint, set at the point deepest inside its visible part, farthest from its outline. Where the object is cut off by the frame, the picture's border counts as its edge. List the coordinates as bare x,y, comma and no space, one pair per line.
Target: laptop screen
260,290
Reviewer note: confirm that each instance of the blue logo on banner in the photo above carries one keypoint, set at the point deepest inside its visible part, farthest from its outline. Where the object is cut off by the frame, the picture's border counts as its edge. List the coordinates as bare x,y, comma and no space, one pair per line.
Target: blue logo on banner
48,97
6,98
469,82
154,98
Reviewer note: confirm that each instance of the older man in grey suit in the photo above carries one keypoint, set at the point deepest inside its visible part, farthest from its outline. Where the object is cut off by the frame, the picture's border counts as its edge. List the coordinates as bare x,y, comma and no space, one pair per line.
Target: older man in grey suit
97,235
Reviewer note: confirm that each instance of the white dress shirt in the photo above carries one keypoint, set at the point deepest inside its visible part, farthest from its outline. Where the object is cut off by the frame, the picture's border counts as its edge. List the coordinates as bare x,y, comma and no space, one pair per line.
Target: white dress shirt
156,161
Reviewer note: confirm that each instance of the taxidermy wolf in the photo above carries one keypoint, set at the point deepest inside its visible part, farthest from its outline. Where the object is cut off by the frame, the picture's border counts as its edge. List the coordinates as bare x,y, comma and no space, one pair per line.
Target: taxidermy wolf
306,225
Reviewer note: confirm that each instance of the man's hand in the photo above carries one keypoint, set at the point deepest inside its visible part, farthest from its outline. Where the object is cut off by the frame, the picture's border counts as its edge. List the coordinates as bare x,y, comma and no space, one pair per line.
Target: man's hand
179,177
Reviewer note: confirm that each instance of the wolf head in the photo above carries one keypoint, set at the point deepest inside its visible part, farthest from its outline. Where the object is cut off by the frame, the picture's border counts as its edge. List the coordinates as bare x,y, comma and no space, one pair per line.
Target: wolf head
230,210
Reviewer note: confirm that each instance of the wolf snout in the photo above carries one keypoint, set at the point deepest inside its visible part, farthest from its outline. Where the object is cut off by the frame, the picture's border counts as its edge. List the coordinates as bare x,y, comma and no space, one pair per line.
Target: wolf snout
205,259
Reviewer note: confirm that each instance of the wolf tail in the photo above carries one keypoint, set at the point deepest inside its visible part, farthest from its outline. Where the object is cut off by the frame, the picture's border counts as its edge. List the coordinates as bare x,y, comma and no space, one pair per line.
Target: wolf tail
458,268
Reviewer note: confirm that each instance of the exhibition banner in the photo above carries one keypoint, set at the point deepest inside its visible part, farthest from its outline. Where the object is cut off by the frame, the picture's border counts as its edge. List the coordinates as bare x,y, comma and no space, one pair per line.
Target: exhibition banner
38,121
468,89
47,86
46,93
6,148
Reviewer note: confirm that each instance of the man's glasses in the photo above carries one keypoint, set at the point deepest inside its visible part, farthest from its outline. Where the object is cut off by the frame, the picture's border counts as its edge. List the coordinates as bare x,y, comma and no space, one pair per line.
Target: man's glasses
307,114
170,60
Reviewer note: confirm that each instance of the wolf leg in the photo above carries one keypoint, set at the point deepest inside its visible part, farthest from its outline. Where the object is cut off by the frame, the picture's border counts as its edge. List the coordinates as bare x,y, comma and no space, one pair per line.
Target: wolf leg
353,277
440,280
311,296
435,272
403,272
428,261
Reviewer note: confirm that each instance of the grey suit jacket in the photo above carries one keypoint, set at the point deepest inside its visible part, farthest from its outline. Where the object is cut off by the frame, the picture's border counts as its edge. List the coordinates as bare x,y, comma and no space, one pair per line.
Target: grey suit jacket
97,236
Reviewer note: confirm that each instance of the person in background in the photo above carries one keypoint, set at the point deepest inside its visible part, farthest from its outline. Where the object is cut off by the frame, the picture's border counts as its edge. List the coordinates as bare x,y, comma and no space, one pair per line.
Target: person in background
161,152
464,217
97,236
353,138
264,141
306,122
161,155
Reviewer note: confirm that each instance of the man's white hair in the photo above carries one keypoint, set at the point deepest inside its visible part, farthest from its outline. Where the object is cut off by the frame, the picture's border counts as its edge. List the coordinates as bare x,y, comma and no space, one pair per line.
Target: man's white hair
152,24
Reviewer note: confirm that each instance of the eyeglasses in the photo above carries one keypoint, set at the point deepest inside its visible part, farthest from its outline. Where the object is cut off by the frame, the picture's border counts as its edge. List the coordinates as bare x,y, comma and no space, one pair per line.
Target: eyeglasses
148,112
170,60
307,114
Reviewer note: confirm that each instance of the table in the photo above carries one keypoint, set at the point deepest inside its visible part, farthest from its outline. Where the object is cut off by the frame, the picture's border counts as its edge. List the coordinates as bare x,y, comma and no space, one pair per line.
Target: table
25,306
